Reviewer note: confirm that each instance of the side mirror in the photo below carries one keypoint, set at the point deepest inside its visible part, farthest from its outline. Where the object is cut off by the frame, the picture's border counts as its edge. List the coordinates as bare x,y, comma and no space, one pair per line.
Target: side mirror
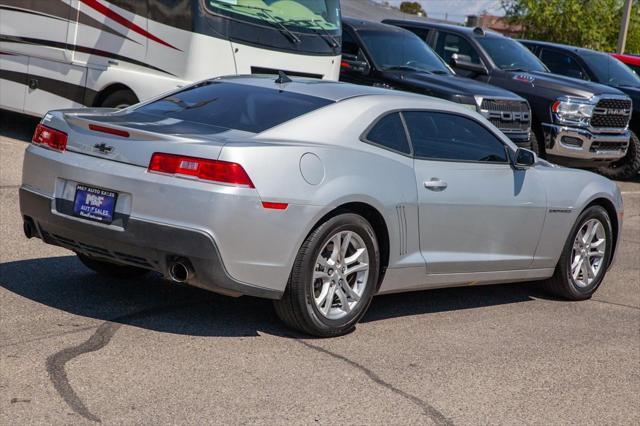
464,63
354,65
524,159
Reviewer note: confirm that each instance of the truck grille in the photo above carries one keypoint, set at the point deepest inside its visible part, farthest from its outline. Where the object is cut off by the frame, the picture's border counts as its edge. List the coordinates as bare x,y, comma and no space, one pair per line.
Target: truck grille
507,115
612,113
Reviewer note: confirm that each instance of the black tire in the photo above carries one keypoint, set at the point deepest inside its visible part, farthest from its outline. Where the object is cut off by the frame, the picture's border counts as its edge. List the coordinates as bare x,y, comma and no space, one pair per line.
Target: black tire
110,269
119,99
562,283
297,308
628,166
535,144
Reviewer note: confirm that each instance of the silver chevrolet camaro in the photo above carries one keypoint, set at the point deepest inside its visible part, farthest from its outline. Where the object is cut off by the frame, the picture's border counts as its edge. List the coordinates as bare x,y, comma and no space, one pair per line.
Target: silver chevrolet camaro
316,194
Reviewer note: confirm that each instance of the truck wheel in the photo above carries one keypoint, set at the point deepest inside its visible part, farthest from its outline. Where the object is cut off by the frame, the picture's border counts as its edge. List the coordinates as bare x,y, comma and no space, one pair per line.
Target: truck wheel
535,144
111,269
585,256
119,99
628,166
333,279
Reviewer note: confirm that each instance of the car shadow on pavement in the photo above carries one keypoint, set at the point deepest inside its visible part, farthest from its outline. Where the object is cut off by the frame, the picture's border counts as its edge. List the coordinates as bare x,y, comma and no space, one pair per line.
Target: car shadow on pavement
17,126
153,303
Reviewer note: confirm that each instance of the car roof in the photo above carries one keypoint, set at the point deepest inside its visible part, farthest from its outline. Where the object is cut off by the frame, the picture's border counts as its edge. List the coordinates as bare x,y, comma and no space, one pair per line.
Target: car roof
362,24
326,89
560,46
471,31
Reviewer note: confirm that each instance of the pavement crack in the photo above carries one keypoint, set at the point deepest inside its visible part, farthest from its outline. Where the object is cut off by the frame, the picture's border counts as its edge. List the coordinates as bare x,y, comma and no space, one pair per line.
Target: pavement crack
99,339
429,410
58,375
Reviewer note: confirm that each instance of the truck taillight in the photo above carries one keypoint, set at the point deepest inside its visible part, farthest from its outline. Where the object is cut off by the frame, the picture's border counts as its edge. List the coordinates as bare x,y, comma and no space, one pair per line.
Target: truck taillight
52,138
201,168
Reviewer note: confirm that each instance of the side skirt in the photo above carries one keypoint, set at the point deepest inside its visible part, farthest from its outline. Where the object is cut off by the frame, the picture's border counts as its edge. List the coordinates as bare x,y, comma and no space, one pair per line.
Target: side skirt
408,279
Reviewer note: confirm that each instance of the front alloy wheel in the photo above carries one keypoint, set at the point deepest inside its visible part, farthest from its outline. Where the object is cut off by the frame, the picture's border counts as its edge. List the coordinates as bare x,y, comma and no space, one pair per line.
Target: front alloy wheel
333,279
585,257
588,253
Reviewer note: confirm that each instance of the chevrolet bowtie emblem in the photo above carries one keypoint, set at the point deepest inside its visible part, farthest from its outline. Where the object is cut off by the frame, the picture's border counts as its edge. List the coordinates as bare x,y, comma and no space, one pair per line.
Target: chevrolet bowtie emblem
103,148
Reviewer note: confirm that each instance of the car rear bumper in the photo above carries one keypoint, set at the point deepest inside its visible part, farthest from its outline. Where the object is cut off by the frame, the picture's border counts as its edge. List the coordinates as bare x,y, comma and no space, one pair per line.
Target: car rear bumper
159,215
583,146
144,244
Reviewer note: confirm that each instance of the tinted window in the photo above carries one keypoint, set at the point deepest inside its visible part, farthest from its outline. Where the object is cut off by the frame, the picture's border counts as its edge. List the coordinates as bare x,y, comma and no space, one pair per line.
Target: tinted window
420,32
560,63
609,70
389,132
233,106
349,44
448,44
509,55
402,49
443,136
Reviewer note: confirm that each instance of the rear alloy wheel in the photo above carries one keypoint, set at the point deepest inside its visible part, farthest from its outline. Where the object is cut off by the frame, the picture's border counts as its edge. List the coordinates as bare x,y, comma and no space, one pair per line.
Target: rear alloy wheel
110,269
333,279
340,275
585,257
628,166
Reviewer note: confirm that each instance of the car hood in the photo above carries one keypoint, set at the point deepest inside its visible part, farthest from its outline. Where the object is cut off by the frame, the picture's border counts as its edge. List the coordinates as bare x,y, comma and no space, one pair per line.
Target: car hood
532,82
451,85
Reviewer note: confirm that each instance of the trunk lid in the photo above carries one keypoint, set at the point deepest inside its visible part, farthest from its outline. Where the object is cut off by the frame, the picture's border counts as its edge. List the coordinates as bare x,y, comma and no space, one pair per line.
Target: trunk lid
133,137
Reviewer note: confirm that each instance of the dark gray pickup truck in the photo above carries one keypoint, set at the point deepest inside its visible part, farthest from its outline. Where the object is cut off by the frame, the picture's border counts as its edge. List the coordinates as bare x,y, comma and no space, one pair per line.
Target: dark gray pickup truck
599,67
375,54
576,123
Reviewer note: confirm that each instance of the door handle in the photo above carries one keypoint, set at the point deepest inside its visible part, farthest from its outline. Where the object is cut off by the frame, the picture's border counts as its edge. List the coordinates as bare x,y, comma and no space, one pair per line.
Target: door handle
435,184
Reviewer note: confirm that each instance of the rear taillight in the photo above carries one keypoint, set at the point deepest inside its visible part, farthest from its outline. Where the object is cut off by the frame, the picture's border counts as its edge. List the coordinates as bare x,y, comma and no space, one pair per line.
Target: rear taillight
201,168
51,138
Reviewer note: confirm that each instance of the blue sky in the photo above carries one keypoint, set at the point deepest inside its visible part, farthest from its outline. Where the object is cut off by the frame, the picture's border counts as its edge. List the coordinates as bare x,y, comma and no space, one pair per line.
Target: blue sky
456,9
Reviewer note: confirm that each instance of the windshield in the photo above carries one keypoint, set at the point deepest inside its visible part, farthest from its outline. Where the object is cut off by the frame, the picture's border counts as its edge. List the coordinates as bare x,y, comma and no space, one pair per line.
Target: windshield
399,50
609,70
509,55
294,14
237,106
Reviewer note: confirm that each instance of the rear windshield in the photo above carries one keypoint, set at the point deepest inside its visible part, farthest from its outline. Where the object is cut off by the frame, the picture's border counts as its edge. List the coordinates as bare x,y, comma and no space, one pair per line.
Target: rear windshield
233,106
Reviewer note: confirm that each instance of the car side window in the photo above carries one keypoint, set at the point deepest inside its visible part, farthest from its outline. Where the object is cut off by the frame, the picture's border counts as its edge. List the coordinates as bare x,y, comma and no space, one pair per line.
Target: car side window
420,32
349,44
563,64
389,132
451,137
448,44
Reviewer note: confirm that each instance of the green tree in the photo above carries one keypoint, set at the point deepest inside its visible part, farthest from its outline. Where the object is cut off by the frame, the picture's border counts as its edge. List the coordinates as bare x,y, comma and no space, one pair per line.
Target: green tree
588,23
413,8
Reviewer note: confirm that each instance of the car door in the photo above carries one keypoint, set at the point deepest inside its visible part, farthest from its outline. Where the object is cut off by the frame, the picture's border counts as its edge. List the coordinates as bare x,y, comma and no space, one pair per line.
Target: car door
447,44
354,67
476,212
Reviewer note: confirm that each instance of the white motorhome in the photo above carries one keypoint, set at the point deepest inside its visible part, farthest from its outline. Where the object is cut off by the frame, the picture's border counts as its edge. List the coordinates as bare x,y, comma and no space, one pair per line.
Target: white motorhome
73,53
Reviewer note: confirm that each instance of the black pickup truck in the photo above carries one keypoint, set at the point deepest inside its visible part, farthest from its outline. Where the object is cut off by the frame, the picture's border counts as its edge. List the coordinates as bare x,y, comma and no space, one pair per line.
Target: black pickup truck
577,123
386,56
589,65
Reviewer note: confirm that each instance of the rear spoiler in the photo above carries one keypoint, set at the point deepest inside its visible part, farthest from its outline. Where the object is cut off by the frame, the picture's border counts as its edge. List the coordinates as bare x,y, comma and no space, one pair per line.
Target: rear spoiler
93,123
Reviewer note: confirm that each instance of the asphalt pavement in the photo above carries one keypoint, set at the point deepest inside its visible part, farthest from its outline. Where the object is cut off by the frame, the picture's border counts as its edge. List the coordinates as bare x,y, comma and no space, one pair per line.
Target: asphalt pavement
77,348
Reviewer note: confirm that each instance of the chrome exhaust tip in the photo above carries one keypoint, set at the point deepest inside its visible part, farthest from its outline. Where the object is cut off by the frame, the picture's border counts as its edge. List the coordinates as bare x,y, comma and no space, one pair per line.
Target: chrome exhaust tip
180,271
